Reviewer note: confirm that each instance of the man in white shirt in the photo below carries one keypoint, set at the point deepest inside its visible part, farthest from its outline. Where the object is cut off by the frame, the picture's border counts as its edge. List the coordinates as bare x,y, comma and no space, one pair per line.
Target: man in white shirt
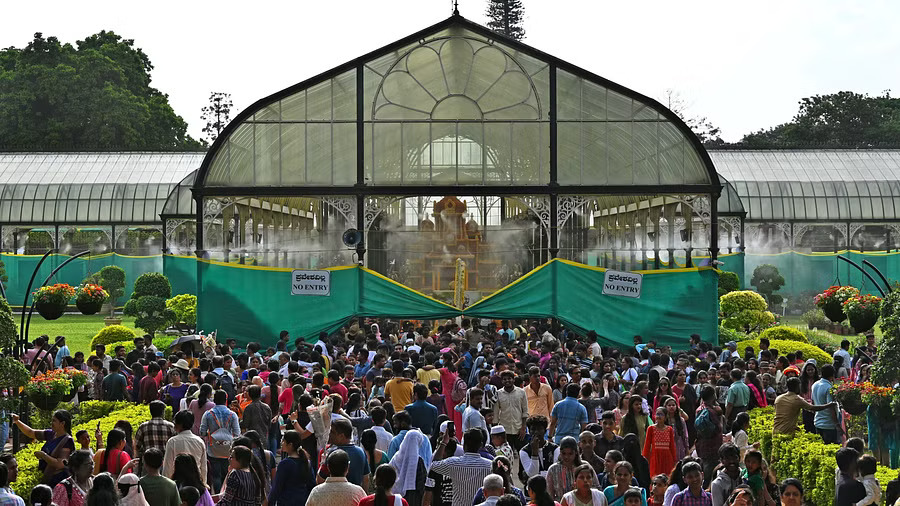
844,353
186,442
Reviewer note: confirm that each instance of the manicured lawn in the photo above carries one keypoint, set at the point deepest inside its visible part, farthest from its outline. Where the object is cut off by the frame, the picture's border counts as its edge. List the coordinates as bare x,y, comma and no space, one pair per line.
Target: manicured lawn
78,329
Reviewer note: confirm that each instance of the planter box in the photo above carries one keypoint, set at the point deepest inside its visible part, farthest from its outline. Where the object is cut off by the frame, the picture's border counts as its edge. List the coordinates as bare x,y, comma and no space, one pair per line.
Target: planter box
112,320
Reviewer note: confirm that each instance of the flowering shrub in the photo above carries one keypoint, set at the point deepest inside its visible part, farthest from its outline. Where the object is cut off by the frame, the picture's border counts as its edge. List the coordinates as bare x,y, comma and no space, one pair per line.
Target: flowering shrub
91,293
56,382
847,392
745,310
54,295
784,333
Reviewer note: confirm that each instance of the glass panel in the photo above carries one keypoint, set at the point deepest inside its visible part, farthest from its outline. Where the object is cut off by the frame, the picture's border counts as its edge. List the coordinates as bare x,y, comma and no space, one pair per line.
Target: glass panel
388,154
595,156
414,151
240,148
646,168
621,162
526,150
293,154
470,155
619,106
569,153
318,156
345,96
344,150
268,113
293,108
318,102
593,101
498,143
268,155
568,96
443,153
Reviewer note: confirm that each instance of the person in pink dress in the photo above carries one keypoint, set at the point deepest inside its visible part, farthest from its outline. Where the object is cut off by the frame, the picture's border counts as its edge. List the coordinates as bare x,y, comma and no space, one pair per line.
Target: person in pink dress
449,376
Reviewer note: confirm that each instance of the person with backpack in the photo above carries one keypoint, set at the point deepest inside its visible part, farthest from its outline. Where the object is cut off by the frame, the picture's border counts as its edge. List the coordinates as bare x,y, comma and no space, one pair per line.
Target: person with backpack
224,379
709,431
452,383
219,427
74,489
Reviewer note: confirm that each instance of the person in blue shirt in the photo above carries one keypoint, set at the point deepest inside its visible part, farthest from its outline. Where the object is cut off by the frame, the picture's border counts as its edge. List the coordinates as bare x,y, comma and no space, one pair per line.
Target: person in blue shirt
423,414
827,421
402,426
62,352
339,439
568,417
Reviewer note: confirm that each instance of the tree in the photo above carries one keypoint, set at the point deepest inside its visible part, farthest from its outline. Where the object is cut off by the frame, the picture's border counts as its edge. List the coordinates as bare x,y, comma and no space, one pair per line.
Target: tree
148,302
507,17
216,114
728,282
96,94
843,119
3,277
767,281
709,134
112,279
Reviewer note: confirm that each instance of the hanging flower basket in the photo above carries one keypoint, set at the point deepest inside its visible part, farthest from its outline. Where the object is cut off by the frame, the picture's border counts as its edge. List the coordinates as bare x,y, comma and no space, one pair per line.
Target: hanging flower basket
849,395
89,298
863,311
831,301
46,402
51,301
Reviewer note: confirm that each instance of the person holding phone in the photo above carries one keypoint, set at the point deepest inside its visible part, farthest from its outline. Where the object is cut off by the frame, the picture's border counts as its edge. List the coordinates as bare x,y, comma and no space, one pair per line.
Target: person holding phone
536,457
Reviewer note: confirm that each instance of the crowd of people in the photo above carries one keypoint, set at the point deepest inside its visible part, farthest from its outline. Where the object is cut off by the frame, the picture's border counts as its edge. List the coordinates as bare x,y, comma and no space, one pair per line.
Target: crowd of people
467,413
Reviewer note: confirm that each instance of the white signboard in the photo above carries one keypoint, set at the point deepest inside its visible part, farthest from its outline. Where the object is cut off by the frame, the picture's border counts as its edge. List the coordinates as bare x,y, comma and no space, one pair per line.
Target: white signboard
310,282
624,284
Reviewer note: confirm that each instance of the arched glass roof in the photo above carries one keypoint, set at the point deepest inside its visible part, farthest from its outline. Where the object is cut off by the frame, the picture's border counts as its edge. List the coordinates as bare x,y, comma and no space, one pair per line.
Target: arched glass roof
456,104
84,188
814,185
729,203
180,202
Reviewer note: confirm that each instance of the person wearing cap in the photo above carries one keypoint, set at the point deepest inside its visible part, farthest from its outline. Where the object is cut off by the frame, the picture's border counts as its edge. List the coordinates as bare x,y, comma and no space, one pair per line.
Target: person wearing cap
499,445
731,351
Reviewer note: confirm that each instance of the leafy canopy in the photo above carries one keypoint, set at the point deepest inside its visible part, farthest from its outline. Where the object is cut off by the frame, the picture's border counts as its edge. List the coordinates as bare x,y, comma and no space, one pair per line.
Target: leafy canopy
767,280
95,94
843,119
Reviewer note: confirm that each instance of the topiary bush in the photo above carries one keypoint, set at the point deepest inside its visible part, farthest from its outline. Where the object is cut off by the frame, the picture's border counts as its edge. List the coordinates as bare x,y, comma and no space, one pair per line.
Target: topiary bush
745,310
728,282
185,308
767,280
783,333
161,343
152,283
112,279
815,318
112,334
4,306
785,347
886,370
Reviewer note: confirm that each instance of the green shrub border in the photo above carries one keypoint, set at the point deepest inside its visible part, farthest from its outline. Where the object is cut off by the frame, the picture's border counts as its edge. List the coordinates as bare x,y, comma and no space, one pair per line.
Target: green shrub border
803,456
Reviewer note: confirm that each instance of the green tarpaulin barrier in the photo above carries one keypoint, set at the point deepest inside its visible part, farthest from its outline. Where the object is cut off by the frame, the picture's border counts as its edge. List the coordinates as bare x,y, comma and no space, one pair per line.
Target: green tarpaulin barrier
20,267
182,273
806,274
250,303
673,303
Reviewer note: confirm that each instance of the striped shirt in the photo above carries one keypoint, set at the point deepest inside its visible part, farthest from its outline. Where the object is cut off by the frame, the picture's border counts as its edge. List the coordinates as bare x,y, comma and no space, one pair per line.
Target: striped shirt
466,472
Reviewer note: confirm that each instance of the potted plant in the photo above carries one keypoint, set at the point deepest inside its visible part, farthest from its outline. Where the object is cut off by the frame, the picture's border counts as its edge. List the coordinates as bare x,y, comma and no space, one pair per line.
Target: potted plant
47,390
862,311
51,301
832,301
90,298
849,395
879,400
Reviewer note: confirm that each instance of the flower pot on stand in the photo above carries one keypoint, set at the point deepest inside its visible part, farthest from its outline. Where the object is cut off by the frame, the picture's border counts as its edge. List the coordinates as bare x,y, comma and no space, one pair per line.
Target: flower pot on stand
50,311
834,311
88,307
854,407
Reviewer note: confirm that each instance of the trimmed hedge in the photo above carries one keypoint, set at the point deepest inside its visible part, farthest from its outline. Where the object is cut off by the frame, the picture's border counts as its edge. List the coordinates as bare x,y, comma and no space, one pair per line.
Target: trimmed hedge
29,476
803,456
785,347
111,334
783,333
161,343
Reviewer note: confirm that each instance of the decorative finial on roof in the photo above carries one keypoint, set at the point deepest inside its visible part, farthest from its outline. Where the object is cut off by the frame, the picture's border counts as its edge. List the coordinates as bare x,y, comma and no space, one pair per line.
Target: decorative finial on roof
456,7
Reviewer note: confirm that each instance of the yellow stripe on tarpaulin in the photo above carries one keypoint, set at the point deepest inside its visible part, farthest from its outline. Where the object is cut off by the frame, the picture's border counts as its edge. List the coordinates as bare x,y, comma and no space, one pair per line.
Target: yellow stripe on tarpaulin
651,271
192,257
273,269
401,285
98,255
532,271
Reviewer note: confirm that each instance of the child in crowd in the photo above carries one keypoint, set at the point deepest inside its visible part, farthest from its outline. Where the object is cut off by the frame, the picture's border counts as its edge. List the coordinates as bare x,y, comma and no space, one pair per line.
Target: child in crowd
84,440
739,435
499,443
752,475
866,467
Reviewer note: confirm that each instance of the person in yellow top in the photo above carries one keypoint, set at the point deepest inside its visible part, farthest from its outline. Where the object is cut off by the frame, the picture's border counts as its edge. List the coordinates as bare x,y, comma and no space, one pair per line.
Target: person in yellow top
399,389
427,373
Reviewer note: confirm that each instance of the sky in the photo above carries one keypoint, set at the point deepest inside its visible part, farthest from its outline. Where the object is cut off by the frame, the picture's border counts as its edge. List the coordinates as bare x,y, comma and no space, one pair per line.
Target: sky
744,65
